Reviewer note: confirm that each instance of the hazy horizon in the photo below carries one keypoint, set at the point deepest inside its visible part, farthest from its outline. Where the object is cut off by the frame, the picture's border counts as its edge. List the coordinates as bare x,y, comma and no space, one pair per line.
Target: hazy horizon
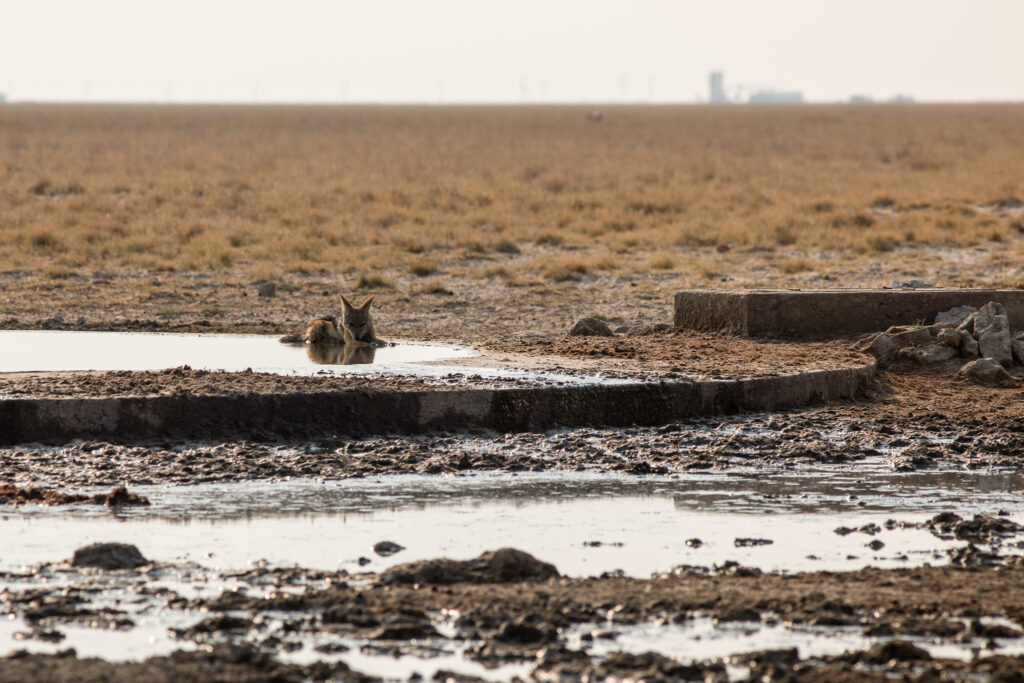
461,52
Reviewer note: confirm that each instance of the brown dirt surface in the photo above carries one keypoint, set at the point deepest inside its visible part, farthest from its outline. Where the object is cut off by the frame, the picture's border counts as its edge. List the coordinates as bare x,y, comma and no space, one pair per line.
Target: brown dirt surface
183,381
12,495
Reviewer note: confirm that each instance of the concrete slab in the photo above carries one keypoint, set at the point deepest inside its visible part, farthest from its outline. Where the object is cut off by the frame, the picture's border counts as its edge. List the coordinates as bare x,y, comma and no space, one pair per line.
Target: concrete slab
358,413
828,314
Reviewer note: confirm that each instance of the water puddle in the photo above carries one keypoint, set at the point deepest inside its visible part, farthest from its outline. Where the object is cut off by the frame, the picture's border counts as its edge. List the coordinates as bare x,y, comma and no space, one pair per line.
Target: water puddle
49,351
585,524
69,351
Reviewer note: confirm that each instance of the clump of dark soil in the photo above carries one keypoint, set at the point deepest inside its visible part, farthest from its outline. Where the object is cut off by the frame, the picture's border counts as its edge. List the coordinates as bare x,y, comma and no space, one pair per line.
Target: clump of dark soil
12,495
108,556
223,662
498,566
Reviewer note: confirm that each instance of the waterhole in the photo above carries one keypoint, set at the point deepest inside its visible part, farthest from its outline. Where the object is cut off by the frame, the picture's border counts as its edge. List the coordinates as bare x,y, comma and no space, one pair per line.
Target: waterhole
50,351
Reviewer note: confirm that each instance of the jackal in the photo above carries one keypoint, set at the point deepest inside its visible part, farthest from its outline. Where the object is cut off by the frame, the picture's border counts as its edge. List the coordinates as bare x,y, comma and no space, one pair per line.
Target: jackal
356,328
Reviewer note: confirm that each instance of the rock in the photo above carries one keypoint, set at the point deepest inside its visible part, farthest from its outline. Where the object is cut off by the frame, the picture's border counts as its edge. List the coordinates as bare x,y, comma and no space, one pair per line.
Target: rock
988,372
1017,346
969,346
910,284
894,650
994,340
497,566
880,345
954,315
267,289
645,329
54,323
385,548
929,355
590,327
108,556
950,337
910,336
981,318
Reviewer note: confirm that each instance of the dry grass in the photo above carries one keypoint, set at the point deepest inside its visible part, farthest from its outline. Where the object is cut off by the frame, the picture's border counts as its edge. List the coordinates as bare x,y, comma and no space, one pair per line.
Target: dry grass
379,195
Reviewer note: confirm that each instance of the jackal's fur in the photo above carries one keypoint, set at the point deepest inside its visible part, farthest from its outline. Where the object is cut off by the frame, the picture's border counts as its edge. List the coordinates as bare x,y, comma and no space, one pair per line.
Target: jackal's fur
356,328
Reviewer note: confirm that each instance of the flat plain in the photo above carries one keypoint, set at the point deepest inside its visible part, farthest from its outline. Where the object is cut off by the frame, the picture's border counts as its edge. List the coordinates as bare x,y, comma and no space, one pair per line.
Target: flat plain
483,220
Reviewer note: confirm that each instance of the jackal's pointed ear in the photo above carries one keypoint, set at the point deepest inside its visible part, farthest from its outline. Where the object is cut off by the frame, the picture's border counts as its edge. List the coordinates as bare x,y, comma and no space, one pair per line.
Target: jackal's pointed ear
366,304
348,304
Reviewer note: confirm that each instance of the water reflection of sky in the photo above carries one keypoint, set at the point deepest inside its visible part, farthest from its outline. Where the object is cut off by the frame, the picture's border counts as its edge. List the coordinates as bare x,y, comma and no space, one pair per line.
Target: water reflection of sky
584,523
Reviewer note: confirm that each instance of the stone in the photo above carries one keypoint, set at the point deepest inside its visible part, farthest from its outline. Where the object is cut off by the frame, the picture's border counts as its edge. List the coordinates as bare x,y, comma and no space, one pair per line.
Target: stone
910,284
498,566
950,337
969,346
955,315
880,345
108,556
1017,346
590,327
982,317
988,372
927,355
994,339
267,289
913,336
386,548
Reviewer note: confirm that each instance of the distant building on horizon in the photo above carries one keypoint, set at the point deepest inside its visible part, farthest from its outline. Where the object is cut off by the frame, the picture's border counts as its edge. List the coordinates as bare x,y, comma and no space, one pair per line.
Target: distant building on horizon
861,99
716,84
777,97
900,98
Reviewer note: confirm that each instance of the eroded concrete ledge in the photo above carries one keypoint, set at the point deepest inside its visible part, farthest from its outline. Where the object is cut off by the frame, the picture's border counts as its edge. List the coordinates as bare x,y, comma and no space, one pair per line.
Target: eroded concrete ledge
364,412
828,314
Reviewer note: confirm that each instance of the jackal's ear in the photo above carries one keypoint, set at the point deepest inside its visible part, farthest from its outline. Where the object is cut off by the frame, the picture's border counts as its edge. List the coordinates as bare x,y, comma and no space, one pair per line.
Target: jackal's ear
348,304
366,304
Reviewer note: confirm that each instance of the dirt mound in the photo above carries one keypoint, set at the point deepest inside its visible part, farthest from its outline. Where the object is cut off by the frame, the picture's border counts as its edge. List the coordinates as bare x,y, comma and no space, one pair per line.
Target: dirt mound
108,556
495,566
12,495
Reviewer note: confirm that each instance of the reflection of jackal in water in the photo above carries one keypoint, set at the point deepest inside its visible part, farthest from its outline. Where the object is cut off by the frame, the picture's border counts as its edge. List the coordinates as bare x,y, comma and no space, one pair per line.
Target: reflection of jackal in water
340,354
355,333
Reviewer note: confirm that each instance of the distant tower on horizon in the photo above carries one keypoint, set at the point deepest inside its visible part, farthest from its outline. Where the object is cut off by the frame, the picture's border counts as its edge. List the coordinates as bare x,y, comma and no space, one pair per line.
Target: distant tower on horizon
716,84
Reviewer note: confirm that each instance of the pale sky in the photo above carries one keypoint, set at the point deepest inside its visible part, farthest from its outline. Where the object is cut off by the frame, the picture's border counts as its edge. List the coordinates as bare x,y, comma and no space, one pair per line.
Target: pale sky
500,51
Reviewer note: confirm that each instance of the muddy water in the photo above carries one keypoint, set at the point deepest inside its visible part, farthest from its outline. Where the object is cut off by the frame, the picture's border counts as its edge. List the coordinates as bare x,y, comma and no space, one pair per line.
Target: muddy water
36,350
585,524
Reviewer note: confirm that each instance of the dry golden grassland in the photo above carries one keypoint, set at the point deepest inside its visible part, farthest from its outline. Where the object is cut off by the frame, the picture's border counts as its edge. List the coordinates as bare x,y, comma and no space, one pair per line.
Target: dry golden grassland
532,201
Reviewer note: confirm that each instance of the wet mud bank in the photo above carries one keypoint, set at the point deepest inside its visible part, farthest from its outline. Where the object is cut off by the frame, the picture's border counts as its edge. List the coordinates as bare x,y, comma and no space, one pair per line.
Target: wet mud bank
359,412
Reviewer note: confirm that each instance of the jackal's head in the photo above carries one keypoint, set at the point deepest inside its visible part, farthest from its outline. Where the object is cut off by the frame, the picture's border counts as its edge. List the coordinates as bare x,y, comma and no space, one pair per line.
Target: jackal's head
357,320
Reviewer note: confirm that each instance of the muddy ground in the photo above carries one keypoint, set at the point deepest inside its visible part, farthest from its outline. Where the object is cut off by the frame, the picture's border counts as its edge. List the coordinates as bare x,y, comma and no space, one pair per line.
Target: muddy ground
507,607
910,416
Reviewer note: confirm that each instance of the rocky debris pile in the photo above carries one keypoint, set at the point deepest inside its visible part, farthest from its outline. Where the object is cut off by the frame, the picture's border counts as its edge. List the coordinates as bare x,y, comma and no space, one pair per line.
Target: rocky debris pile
982,335
108,556
596,327
497,566
12,495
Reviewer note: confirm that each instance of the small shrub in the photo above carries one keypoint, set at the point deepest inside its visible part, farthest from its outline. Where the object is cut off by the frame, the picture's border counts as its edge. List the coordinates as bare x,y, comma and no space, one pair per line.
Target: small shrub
883,202
881,243
507,247
549,239
422,267
785,235
664,262
373,281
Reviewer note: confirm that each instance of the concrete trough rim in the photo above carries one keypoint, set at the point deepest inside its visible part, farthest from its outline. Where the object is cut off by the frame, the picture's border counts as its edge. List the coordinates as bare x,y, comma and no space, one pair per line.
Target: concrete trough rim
362,412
